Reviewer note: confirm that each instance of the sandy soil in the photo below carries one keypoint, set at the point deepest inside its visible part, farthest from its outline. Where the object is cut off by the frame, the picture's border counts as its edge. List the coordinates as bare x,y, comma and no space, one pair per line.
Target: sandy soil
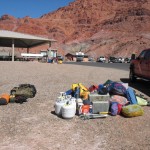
33,126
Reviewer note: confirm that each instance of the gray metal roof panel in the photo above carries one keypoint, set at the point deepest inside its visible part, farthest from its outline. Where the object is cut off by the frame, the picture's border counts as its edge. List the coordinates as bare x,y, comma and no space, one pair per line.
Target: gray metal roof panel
17,35
21,40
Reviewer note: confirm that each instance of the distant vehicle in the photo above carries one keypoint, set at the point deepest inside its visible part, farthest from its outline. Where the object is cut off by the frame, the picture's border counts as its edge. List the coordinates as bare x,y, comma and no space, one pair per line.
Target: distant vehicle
127,60
120,60
91,59
113,60
79,56
140,66
101,59
59,57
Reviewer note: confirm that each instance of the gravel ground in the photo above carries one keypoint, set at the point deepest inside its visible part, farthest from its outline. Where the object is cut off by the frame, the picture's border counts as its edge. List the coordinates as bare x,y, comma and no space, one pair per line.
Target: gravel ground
34,126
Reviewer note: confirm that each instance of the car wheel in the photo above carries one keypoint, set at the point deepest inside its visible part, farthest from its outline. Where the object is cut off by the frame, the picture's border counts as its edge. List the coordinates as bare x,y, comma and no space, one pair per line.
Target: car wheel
132,76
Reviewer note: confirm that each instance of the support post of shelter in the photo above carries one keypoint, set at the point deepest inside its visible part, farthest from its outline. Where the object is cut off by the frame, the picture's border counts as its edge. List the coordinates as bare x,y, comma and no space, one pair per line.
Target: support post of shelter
49,44
49,51
28,50
13,49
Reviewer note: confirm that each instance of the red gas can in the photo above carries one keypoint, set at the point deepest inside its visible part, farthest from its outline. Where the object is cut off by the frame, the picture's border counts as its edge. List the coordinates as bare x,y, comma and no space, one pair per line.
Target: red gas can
85,109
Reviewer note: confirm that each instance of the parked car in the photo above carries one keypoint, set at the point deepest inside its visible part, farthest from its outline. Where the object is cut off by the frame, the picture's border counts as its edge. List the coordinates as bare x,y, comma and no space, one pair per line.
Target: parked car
127,60
59,57
91,59
120,60
112,60
140,66
79,58
101,59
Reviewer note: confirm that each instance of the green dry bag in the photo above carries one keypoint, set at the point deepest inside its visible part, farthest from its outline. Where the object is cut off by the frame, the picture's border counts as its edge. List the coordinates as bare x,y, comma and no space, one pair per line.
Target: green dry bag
141,101
132,110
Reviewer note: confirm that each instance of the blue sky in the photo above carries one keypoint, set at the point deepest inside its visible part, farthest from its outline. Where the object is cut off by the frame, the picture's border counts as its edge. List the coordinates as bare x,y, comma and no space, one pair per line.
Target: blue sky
32,8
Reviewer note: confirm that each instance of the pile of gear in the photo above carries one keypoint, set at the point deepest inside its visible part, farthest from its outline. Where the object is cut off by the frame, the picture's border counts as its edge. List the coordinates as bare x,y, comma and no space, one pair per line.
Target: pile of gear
99,101
18,94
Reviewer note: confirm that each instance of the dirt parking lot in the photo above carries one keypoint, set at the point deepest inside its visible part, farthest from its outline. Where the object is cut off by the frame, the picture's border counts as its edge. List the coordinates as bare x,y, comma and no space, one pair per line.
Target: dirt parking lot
33,125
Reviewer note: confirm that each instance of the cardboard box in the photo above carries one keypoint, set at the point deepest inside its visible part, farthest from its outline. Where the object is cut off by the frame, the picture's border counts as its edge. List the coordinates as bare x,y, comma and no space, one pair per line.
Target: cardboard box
96,97
100,106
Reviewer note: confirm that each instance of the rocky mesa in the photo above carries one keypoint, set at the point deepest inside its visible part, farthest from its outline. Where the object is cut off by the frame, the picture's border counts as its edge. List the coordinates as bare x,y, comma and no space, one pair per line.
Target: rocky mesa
97,27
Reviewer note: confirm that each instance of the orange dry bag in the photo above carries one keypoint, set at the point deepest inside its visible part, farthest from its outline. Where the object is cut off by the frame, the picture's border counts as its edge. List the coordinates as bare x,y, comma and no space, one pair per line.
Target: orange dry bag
4,99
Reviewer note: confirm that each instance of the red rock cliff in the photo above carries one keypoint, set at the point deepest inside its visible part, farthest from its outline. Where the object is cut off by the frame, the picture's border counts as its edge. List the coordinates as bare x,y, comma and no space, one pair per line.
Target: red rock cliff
98,27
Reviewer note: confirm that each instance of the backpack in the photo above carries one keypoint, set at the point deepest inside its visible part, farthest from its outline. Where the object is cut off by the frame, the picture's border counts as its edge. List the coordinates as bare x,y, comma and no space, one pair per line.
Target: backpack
25,90
116,88
108,82
102,90
130,95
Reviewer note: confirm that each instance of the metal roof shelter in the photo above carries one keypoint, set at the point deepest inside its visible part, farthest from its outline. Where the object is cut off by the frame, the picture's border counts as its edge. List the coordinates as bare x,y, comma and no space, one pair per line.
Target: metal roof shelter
20,40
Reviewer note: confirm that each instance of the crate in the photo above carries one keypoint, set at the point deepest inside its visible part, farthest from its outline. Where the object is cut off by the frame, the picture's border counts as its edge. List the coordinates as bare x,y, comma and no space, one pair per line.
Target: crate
96,97
100,106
